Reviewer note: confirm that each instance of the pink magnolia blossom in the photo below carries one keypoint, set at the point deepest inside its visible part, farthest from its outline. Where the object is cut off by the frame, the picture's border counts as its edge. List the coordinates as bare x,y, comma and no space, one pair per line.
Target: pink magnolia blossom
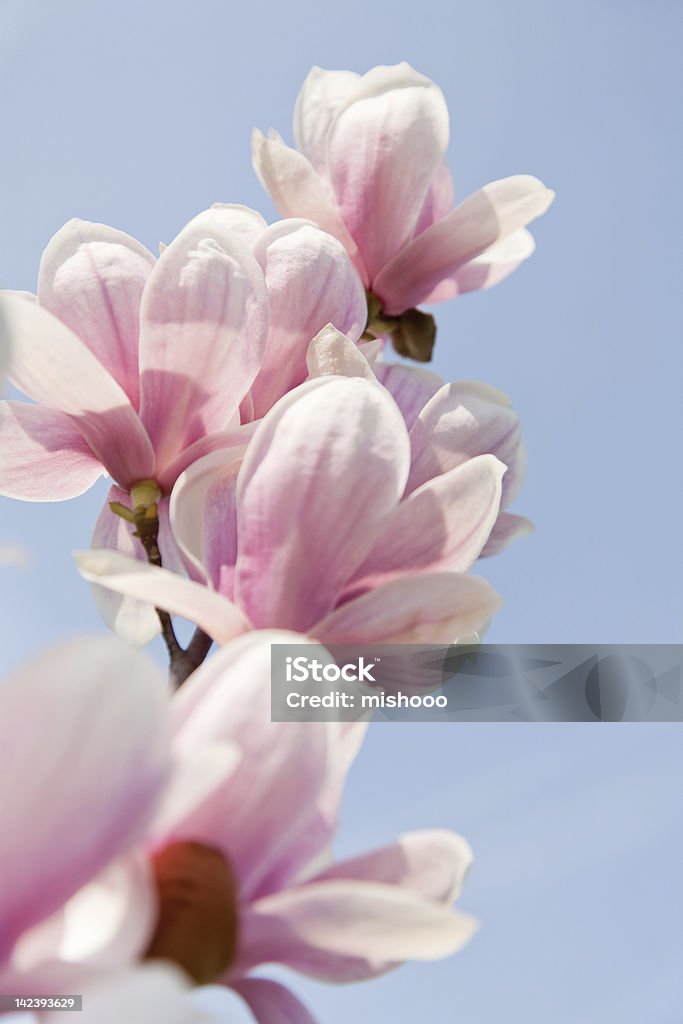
139,366
448,423
84,759
311,282
130,361
312,529
272,815
370,168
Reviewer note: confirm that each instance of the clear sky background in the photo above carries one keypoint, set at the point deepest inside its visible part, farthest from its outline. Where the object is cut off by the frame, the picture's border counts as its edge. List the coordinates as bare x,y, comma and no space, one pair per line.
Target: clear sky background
139,114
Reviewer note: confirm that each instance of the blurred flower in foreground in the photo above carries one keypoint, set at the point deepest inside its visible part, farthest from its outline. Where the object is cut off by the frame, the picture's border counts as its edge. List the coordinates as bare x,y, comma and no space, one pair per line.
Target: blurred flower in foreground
370,168
309,530
240,857
84,757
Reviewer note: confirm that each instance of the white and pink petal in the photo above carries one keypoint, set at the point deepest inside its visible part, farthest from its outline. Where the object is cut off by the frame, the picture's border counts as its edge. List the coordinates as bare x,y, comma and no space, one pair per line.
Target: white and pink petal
384,147
91,277
203,331
348,930
485,218
123,764
218,617
321,475
298,191
51,365
443,525
433,608
43,456
462,420
311,282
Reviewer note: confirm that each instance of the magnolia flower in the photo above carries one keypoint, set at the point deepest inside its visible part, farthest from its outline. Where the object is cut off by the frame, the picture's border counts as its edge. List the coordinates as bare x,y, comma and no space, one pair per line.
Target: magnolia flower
253,841
310,282
85,755
131,361
448,424
139,366
312,529
136,364
370,168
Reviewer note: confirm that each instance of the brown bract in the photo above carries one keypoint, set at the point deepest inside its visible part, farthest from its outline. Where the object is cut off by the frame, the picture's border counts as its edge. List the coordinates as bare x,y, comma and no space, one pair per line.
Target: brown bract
412,333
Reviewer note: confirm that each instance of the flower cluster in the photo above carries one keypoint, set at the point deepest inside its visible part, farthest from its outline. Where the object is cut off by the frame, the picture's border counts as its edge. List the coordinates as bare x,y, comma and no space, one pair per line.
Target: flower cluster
274,478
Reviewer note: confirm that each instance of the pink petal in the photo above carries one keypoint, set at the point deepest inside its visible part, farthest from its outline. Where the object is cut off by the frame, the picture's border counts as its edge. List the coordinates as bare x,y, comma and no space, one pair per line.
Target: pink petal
216,616
244,221
484,218
56,369
43,457
443,525
107,922
372,350
311,282
493,266
322,96
203,332
383,149
238,435
204,517
431,609
508,527
282,764
345,930
462,420
91,277
91,714
411,387
332,353
439,199
432,864
300,851
297,191
200,775
154,993
270,1002
320,477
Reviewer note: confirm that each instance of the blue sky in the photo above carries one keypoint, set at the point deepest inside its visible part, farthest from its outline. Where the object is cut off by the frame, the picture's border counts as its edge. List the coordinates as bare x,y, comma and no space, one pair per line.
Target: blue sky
139,114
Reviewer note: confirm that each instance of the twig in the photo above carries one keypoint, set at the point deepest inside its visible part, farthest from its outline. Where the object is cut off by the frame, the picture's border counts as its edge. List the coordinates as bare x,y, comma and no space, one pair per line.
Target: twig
145,516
